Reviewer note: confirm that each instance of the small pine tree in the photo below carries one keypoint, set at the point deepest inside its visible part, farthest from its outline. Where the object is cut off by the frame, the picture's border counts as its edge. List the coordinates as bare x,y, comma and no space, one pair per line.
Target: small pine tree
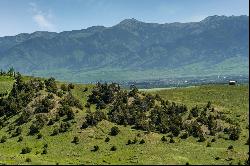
163,139
107,139
113,148
75,140
3,139
114,131
142,141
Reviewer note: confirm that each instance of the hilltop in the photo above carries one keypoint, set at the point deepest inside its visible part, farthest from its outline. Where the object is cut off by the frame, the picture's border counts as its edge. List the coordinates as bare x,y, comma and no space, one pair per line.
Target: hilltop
133,50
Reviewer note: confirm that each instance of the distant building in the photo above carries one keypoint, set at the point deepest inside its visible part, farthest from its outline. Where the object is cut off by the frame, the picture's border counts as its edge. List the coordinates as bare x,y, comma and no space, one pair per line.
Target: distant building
232,82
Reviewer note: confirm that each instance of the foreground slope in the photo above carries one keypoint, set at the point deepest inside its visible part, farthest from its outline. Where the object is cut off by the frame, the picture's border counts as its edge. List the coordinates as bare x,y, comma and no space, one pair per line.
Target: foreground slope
232,100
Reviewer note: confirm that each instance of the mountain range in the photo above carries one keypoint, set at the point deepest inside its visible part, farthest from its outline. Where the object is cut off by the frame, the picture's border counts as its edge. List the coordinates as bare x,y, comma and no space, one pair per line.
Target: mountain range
133,50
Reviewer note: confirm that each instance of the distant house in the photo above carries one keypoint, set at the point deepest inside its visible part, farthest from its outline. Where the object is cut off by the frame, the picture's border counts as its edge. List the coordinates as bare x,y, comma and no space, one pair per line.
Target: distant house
232,82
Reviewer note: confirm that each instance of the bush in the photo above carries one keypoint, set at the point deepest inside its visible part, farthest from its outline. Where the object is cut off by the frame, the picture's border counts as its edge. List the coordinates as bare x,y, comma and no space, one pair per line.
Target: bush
84,125
142,141
163,139
55,131
64,127
107,139
208,144
114,131
26,150
20,139
184,135
234,133
75,140
70,86
113,148
213,140
3,139
51,85
45,151
39,136
64,87
28,160
217,158
96,148
129,142
230,147
45,146
18,131
201,138
171,140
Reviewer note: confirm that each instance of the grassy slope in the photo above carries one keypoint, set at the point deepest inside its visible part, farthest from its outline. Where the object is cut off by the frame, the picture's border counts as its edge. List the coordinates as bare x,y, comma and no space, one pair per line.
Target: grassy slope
233,100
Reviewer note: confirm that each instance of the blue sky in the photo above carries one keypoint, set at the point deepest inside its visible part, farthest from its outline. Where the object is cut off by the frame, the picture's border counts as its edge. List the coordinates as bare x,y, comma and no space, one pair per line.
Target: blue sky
17,16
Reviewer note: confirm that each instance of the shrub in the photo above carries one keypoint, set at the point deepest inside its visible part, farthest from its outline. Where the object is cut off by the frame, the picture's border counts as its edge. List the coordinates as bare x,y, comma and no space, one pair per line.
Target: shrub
107,139
171,140
51,85
134,141
201,139
28,160
70,86
84,125
113,148
39,136
64,87
247,143
3,139
163,139
75,140
230,147
17,132
234,133
20,139
114,131
45,146
55,131
64,127
208,144
85,89
142,141
96,148
70,114
213,140
129,142
217,158
26,150
184,135
45,151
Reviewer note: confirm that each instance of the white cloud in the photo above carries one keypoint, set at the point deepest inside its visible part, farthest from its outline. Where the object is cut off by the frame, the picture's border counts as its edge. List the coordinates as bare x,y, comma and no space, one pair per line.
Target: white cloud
42,19
43,22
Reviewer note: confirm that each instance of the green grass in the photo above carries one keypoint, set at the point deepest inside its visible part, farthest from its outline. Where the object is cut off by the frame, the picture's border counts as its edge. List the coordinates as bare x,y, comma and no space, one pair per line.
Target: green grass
5,83
230,99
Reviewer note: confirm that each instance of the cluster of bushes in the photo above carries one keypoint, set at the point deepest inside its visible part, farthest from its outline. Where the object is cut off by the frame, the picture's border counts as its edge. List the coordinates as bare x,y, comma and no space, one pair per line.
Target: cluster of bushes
10,72
103,94
92,118
71,101
46,104
20,96
37,125
50,85
152,113
64,126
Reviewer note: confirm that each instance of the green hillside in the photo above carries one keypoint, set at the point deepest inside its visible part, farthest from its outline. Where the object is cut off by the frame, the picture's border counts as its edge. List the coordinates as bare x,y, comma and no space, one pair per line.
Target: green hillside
96,143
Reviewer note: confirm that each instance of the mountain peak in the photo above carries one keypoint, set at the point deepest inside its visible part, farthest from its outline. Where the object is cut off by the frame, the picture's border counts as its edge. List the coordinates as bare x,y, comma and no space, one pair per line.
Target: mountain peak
129,21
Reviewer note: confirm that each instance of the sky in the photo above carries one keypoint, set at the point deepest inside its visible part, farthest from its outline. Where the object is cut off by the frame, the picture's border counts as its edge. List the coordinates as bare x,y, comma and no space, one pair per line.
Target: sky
27,16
